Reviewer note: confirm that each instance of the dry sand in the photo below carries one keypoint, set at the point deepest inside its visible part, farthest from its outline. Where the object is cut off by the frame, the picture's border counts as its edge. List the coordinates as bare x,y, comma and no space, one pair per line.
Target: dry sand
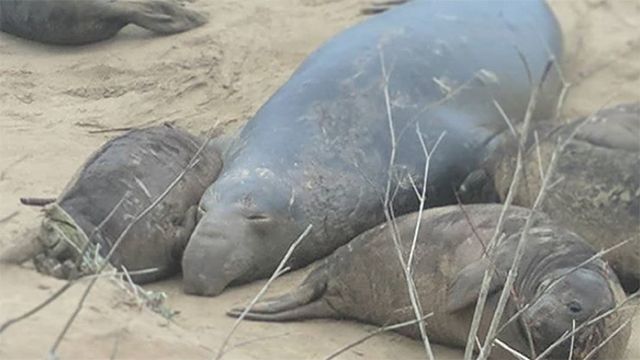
52,100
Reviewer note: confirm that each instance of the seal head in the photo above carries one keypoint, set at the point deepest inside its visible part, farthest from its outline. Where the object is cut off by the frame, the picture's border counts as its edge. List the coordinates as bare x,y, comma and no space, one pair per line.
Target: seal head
240,237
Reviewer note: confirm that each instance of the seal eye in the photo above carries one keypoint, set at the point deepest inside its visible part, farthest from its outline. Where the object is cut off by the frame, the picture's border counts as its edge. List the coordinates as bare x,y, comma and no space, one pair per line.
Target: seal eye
257,217
574,307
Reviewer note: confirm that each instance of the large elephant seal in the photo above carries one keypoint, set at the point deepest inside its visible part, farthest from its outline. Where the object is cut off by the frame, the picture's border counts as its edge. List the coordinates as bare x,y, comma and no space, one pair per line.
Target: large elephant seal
77,22
363,280
318,152
114,185
597,182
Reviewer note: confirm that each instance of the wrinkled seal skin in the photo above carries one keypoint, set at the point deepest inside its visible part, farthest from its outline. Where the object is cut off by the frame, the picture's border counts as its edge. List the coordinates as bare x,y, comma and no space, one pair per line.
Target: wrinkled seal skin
599,194
78,22
363,280
318,151
136,168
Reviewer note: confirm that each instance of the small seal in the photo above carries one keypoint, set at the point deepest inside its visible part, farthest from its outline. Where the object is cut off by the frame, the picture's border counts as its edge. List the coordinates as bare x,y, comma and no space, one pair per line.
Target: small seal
596,184
557,287
79,22
118,182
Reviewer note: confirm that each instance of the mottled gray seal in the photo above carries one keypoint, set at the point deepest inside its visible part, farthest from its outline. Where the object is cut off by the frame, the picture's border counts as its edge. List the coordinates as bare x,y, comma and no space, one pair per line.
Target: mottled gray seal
596,190
77,22
318,152
363,280
114,185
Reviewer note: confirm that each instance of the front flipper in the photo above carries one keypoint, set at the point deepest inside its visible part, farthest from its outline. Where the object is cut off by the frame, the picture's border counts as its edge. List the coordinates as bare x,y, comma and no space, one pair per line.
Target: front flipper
161,16
305,302
478,187
466,287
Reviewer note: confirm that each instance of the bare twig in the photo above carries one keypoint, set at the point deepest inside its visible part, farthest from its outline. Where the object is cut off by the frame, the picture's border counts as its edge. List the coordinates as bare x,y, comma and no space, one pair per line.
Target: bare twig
39,307
390,218
423,195
4,172
374,333
606,340
31,201
254,340
279,271
119,129
116,346
98,228
511,350
54,296
539,155
9,217
573,338
496,239
519,252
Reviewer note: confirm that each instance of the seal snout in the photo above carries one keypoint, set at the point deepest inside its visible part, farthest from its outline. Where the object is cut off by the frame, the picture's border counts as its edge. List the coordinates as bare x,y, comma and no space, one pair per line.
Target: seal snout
575,298
203,263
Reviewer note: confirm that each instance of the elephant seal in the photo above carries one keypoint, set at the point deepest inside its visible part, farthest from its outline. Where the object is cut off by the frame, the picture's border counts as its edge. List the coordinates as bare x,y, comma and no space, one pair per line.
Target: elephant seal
114,185
597,182
78,22
330,145
364,281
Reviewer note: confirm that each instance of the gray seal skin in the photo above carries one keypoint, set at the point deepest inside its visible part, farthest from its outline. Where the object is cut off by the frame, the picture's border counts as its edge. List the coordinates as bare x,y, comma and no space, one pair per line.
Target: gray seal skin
363,281
597,191
318,151
79,22
135,168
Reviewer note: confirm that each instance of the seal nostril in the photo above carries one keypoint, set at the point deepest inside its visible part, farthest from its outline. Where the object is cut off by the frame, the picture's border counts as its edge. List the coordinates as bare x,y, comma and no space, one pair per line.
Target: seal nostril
574,307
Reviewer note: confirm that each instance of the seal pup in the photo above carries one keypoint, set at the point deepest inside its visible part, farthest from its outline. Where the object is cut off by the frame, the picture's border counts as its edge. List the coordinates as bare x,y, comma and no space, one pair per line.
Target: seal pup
112,187
556,284
354,121
79,22
596,183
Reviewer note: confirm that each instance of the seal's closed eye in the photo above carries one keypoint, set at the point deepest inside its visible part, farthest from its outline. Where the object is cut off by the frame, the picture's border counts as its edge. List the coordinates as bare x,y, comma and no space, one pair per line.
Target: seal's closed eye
258,217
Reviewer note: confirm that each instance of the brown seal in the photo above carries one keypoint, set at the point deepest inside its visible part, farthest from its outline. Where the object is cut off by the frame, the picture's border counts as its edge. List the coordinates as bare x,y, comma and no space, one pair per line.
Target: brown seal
595,188
363,280
78,22
118,182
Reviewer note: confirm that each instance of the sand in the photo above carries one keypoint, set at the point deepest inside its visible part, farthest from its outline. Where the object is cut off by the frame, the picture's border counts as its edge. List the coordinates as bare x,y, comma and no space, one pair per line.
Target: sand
56,104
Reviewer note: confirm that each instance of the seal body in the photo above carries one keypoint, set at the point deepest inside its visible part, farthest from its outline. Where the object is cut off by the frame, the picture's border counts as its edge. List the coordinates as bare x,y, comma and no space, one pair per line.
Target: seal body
118,182
353,125
77,22
596,190
555,286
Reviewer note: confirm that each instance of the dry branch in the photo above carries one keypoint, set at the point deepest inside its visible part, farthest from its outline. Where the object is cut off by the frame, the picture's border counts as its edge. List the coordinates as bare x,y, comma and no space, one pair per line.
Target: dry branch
33,201
497,237
374,333
390,217
8,217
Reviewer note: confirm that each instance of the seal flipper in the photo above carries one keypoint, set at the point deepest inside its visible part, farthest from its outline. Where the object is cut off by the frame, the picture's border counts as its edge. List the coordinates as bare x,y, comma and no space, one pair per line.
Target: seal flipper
466,287
305,302
478,187
161,16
